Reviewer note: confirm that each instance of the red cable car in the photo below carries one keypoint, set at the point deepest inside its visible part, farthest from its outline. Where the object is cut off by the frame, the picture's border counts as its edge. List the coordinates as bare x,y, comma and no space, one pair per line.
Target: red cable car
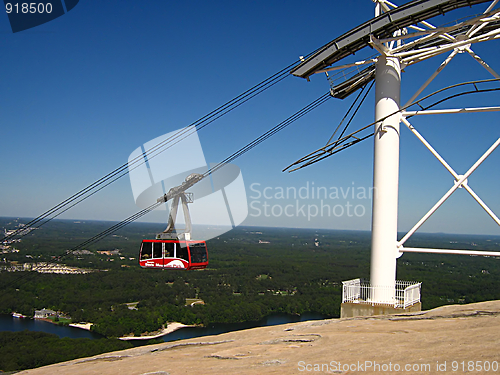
173,254
172,250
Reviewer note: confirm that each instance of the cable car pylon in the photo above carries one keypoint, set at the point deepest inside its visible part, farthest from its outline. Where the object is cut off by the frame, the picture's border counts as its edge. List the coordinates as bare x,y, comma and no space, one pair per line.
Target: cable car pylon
402,36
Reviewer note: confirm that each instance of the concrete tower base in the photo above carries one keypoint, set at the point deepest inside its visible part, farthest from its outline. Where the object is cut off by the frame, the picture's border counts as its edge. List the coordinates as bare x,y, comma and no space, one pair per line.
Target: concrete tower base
352,310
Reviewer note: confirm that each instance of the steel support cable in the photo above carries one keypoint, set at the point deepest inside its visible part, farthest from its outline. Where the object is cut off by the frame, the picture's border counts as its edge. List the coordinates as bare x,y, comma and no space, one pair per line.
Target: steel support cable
230,158
352,143
123,169
355,112
340,144
308,108
330,153
477,91
345,116
226,108
117,226
138,160
109,180
322,99
279,77
67,206
189,132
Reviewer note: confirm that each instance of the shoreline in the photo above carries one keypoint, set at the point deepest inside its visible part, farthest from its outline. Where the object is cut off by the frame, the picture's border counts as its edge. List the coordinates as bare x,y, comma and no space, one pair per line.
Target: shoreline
85,326
171,327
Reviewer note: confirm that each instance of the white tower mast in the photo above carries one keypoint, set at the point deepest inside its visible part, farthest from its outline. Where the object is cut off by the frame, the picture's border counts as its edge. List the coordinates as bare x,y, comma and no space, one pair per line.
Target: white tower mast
385,178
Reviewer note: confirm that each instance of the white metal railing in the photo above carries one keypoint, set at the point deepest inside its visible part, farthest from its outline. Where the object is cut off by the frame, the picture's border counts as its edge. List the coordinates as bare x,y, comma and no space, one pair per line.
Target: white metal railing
351,290
411,295
402,294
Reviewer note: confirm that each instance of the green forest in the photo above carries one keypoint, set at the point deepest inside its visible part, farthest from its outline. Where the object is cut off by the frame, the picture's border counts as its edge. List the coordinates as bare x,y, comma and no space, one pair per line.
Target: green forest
252,273
25,350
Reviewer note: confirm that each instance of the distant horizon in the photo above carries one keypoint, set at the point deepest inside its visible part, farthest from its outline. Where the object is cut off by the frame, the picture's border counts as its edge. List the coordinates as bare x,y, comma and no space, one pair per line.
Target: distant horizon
257,227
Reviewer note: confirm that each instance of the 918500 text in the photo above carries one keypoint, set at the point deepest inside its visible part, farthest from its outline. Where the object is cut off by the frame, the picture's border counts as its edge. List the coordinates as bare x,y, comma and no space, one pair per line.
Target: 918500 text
28,7
468,366
374,366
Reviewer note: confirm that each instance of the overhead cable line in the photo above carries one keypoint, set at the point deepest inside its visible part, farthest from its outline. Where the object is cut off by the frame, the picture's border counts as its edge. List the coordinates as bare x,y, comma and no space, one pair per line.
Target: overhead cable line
297,115
89,241
351,139
152,152
353,114
117,226
282,125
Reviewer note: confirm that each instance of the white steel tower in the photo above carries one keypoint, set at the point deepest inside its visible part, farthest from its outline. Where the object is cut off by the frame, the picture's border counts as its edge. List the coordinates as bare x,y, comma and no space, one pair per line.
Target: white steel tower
402,36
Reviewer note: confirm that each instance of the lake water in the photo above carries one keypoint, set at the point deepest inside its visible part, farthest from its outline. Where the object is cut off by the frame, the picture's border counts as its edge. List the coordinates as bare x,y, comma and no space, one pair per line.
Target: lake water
8,323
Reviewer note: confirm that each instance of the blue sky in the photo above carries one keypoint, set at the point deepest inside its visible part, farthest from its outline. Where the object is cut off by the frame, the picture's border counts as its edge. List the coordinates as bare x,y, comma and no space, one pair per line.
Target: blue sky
80,93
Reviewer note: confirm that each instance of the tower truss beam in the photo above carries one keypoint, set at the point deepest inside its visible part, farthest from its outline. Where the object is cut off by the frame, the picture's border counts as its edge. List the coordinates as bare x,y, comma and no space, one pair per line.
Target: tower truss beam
461,181
474,29
450,111
450,169
431,78
450,251
482,62
434,51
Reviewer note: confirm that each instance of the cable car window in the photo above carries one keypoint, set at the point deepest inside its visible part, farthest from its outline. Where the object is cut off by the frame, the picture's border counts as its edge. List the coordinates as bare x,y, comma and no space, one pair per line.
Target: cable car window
157,250
198,252
169,249
182,251
146,250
